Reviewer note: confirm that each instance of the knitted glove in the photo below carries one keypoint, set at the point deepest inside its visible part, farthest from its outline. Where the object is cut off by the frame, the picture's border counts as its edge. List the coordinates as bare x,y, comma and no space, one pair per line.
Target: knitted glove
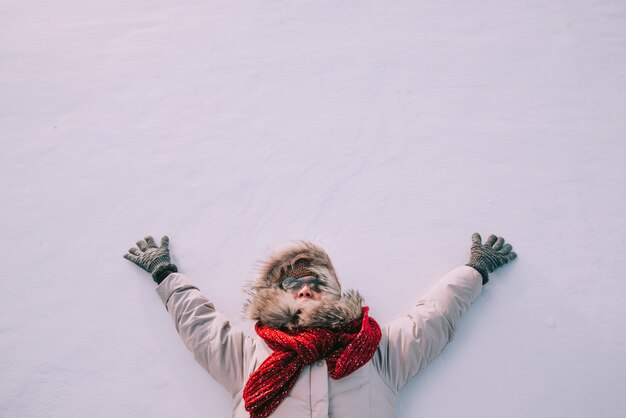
155,260
487,257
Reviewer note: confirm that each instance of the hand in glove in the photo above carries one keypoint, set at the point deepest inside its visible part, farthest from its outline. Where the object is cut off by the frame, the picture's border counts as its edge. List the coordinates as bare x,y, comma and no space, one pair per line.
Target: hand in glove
155,260
487,257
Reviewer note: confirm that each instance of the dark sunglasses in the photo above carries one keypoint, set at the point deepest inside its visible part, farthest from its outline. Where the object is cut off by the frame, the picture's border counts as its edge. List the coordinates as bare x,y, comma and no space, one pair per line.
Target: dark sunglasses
291,284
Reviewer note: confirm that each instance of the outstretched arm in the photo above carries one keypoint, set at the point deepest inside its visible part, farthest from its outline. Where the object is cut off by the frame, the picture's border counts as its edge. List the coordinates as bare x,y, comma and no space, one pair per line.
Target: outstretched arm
222,350
411,342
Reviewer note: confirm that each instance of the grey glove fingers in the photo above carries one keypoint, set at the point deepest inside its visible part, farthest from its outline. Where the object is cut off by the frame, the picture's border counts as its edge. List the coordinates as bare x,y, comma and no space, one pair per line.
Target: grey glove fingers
491,240
131,257
142,245
165,242
150,241
506,248
498,244
509,256
134,251
476,239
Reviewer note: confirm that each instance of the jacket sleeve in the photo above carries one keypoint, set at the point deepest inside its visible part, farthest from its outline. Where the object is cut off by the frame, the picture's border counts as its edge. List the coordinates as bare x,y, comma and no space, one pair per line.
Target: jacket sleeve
409,343
225,352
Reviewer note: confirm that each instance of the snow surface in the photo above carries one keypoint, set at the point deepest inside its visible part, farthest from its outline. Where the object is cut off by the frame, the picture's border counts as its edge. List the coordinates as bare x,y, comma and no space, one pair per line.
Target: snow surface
386,131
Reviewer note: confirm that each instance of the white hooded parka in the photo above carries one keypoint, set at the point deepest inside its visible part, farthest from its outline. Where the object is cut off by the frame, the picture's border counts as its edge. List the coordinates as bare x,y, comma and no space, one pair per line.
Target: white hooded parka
408,344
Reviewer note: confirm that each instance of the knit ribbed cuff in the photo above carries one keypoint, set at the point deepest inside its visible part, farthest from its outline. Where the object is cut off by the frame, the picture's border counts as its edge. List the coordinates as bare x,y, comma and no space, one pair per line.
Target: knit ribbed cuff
162,272
482,272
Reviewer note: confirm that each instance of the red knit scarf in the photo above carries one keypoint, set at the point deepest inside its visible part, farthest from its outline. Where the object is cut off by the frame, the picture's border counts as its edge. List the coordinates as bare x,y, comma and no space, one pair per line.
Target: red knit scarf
345,349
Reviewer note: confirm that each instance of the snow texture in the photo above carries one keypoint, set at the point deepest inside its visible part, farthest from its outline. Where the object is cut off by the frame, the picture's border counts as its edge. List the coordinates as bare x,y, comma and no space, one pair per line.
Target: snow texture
385,131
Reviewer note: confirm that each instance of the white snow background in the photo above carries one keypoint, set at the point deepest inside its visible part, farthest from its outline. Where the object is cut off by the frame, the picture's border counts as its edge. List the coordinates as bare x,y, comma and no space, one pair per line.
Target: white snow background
385,131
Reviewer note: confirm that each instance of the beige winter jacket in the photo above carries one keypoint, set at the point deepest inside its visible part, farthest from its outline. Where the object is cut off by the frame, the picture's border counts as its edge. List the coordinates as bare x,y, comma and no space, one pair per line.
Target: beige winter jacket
408,344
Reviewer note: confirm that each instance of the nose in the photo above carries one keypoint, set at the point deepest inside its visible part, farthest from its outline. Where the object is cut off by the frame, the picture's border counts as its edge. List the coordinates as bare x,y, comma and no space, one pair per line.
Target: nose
305,292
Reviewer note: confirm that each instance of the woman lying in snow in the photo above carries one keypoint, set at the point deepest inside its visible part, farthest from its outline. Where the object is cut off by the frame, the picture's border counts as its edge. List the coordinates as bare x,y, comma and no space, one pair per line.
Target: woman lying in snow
317,352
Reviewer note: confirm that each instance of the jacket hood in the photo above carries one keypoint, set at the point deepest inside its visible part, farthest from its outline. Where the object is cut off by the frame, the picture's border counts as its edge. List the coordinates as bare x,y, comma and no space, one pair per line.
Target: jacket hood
269,304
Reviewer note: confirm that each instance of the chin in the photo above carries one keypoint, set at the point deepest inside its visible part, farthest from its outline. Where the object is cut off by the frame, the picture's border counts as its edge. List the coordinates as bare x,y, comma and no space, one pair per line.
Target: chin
308,302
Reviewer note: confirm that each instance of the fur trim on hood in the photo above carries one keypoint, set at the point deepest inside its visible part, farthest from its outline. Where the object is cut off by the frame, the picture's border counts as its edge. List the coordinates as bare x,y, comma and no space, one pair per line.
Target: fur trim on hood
271,305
